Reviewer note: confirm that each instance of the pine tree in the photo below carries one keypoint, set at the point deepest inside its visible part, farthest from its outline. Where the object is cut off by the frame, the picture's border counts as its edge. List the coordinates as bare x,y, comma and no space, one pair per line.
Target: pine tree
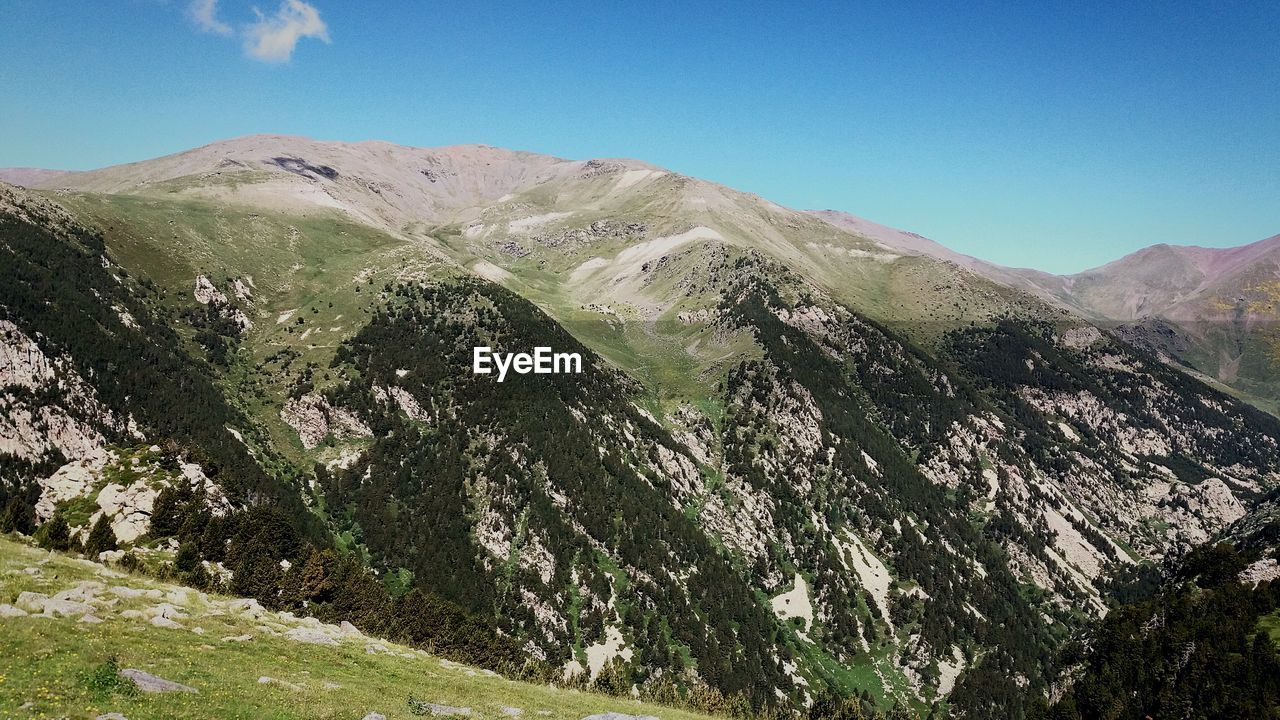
101,538
55,534
16,517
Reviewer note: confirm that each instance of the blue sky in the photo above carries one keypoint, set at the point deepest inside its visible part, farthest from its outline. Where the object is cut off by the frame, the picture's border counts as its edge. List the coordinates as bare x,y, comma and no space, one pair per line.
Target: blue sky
1059,137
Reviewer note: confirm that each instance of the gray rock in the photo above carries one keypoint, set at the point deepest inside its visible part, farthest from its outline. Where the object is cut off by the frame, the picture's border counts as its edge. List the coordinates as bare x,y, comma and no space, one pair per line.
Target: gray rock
375,716
32,601
164,622
11,611
147,682
511,711
419,707
618,716
111,716
237,638
265,680
90,619
308,635
167,610
54,606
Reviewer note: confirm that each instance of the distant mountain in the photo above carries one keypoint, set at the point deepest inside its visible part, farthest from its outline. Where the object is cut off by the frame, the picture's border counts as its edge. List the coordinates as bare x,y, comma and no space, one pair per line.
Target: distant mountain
1215,311
808,458
30,177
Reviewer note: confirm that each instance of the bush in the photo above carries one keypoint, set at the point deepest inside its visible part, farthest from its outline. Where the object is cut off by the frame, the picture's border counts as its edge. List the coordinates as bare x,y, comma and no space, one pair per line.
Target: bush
104,680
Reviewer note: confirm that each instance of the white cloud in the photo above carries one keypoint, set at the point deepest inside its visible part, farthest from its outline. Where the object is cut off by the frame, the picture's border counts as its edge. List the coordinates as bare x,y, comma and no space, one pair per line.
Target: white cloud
205,15
272,39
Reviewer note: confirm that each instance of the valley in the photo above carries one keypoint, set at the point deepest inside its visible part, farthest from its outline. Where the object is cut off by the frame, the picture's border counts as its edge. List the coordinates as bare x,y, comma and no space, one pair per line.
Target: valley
806,457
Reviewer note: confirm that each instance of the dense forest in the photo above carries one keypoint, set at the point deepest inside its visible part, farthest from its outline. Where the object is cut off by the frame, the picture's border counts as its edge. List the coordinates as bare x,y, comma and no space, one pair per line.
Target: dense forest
1196,648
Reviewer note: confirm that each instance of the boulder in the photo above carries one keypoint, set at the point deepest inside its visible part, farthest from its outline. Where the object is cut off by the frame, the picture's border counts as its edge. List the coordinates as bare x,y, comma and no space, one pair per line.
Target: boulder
10,611
89,619
618,716
309,635
32,601
375,716
66,608
164,622
149,683
166,610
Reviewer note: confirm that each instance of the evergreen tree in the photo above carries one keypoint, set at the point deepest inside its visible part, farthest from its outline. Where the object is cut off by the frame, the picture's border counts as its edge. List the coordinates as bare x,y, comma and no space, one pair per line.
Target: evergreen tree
101,538
55,534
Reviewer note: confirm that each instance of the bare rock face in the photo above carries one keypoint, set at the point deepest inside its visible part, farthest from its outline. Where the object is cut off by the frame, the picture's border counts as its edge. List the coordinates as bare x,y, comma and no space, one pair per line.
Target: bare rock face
127,508
149,683
314,419
70,425
206,293
71,481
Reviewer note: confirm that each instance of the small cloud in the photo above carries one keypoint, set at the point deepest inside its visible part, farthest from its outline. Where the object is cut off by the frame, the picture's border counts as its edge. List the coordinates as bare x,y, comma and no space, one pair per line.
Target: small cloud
272,39
205,15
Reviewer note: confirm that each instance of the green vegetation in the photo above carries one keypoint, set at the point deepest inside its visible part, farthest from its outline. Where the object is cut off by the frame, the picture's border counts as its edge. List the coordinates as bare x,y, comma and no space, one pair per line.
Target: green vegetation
1203,647
67,669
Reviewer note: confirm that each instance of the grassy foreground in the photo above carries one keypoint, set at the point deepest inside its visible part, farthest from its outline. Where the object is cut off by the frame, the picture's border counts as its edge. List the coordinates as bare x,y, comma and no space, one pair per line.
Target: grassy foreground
55,667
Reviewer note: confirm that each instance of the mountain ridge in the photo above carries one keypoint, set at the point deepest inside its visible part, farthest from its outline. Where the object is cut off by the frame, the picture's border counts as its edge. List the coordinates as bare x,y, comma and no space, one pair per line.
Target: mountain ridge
848,468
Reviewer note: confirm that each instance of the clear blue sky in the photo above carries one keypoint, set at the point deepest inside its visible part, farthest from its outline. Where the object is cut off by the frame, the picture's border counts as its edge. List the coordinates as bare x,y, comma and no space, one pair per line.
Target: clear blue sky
1056,137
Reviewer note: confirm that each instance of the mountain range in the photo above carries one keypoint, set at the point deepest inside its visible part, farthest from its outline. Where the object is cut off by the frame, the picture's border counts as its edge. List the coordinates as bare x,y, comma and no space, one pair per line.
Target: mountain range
810,458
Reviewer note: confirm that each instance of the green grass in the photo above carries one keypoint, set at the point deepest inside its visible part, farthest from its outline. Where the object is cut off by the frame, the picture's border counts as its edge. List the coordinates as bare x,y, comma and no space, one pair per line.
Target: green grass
1270,624
57,664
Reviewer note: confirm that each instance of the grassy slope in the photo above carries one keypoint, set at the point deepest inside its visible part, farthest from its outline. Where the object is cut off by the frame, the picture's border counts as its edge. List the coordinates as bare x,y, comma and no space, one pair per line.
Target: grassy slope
44,661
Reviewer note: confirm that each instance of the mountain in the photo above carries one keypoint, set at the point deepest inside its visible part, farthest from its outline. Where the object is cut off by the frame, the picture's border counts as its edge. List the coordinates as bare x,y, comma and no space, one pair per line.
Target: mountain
803,464
29,177
1213,311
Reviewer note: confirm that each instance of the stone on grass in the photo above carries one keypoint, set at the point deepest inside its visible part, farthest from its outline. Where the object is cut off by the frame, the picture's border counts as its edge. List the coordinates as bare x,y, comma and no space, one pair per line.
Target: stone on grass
308,635
618,716
31,601
418,707
66,608
90,619
149,683
11,611
164,622
375,716
127,593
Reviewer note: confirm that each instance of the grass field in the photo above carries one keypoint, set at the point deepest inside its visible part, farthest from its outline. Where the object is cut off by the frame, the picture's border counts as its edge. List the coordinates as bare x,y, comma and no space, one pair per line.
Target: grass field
53,666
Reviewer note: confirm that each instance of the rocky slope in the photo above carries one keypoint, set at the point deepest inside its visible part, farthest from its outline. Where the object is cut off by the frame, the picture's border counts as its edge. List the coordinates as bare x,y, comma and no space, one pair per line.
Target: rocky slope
802,459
